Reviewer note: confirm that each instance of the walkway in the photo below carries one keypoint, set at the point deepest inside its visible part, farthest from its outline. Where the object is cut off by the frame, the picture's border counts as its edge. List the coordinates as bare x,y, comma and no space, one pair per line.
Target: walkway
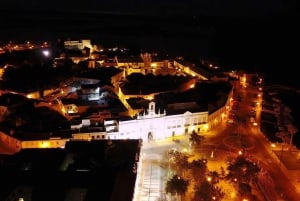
151,176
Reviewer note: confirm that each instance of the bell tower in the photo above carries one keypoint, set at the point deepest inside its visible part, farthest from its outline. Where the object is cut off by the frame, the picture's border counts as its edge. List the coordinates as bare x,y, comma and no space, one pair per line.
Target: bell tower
147,62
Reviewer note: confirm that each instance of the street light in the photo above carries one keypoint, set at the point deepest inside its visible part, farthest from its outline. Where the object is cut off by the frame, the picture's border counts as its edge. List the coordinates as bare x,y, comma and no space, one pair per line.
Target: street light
273,145
46,53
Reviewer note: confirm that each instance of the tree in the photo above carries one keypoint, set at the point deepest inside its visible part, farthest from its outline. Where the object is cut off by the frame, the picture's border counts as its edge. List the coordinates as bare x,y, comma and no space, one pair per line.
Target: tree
245,189
242,170
198,170
179,158
214,177
177,186
195,139
207,191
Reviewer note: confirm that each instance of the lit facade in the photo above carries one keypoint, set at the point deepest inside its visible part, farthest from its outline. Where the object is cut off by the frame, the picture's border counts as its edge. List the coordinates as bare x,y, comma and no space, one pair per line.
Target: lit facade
149,126
76,44
157,125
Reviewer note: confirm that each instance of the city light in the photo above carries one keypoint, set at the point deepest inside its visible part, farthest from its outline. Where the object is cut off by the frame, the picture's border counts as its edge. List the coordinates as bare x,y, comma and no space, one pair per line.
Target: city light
44,144
46,53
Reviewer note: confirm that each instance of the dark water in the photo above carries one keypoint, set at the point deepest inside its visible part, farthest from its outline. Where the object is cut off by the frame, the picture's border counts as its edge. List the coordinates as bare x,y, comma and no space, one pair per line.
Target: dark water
265,45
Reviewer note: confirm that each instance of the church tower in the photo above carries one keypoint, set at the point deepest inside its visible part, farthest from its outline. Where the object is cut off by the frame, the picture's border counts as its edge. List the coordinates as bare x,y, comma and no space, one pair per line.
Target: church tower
147,62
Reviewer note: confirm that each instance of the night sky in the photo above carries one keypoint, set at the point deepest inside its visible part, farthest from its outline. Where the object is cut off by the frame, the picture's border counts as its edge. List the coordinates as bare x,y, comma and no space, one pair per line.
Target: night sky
166,7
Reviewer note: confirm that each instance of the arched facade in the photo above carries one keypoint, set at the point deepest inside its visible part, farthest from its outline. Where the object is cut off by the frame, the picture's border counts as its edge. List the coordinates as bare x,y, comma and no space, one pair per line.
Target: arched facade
155,125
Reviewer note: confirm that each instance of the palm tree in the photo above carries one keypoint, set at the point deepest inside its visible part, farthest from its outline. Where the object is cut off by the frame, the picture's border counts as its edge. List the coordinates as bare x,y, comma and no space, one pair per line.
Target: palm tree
245,190
198,170
178,158
177,186
214,177
207,191
242,170
195,139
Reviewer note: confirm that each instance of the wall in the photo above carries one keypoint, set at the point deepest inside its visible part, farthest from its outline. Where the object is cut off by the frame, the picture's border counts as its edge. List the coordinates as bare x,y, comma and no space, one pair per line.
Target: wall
9,142
52,143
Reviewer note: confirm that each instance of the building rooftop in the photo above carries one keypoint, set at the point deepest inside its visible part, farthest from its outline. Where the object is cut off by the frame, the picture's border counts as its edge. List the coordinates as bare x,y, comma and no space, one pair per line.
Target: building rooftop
94,170
205,96
130,59
26,120
198,68
103,74
138,103
146,84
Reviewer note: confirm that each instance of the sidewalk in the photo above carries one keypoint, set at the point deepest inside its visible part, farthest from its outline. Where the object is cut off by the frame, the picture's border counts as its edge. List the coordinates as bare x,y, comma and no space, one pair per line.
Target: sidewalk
152,177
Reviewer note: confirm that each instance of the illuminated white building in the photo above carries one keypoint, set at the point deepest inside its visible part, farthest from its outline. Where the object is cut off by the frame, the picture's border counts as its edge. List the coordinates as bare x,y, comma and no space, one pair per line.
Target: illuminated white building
152,125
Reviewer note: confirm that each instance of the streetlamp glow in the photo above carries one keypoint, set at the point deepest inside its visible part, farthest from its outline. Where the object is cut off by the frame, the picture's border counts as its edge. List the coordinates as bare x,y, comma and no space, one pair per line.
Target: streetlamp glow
46,53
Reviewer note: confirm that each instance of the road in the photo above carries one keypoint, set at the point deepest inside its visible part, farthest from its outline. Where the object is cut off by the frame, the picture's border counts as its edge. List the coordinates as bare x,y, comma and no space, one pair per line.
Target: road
261,150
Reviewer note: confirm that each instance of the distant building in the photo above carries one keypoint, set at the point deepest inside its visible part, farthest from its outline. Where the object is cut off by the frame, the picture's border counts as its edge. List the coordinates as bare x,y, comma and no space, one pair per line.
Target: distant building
77,44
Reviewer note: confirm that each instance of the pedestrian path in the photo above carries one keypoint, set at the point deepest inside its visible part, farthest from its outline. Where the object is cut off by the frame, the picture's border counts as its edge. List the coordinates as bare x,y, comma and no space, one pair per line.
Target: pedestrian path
150,185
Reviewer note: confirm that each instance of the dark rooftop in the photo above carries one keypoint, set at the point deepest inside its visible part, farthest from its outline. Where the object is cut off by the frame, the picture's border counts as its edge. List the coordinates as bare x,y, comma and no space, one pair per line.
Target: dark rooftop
138,103
129,59
206,96
101,169
104,73
146,84
198,68
28,121
11,99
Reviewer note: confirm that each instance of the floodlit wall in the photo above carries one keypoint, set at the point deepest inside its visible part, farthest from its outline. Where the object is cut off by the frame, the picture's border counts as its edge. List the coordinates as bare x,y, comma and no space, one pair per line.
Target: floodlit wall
10,143
51,143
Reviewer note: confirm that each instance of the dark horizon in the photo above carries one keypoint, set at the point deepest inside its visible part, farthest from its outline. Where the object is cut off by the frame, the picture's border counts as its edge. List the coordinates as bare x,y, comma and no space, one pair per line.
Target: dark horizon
157,7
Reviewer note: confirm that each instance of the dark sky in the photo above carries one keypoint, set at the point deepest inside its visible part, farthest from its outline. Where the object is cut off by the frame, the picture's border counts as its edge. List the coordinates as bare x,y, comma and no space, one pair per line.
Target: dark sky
159,7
